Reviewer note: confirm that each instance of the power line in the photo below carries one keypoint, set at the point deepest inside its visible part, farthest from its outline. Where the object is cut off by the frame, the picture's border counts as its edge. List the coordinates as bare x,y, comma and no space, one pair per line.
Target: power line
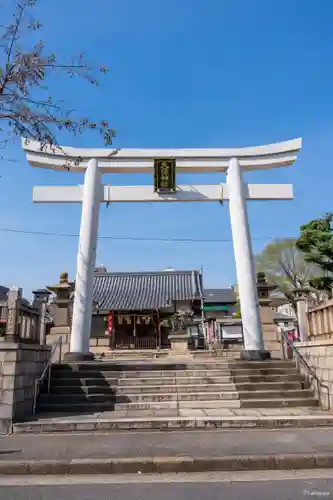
130,238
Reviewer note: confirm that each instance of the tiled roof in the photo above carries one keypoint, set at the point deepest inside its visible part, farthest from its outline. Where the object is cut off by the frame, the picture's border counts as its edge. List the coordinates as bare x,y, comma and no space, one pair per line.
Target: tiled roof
219,295
283,317
3,292
144,291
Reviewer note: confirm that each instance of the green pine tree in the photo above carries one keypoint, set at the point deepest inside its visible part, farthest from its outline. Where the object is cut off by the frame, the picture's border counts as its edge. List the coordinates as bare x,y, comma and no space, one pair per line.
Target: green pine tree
316,242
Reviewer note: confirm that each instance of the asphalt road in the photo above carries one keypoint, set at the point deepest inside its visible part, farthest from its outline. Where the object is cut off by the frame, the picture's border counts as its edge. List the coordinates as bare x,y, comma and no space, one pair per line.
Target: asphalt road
287,489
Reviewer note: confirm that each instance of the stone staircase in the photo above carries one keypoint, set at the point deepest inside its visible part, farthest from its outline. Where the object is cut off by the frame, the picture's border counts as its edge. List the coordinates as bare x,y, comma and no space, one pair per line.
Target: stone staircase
160,385
204,393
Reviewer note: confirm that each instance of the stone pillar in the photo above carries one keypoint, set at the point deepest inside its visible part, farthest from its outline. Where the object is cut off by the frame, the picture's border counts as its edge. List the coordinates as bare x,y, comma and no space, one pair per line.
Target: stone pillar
302,322
253,340
86,261
41,298
273,339
14,297
42,324
61,312
300,295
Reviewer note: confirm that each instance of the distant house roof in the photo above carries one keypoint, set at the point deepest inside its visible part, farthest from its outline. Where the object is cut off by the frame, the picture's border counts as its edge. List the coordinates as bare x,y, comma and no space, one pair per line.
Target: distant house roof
3,292
220,295
146,290
278,317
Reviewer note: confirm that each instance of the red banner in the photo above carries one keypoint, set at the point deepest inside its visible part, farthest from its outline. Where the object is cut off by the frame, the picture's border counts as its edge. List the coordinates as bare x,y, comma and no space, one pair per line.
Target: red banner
292,335
110,323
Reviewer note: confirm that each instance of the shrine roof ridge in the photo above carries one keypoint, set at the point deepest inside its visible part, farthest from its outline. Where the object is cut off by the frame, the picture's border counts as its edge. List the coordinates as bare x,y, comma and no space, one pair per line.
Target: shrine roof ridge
146,273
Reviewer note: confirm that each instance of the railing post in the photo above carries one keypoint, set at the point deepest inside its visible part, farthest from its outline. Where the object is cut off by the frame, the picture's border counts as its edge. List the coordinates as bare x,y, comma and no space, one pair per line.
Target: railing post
49,375
60,350
35,397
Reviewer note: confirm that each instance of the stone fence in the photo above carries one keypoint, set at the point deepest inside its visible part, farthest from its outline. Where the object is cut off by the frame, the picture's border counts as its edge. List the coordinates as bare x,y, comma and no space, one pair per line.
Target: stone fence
23,357
20,321
320,320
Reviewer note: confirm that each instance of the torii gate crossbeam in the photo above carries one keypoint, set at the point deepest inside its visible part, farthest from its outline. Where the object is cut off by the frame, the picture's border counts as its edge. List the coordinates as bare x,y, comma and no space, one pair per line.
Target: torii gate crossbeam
95,162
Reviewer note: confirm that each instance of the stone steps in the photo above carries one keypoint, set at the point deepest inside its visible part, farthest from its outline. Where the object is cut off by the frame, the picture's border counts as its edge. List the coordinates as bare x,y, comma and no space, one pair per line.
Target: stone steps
142,388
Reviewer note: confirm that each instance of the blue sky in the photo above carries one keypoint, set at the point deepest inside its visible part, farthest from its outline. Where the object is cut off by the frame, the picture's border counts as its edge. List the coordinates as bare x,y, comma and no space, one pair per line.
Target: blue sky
183,73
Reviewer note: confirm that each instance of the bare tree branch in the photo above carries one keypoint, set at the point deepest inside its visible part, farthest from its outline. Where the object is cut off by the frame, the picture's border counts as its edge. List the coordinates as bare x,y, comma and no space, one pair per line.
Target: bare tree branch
23,74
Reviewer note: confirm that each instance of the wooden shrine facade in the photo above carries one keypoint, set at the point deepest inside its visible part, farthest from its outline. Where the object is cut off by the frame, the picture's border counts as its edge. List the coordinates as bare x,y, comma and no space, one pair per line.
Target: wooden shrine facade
130,308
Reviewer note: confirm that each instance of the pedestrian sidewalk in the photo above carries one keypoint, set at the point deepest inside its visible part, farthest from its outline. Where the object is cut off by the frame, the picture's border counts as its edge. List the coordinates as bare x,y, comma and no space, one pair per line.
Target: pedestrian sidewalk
165,444
166,452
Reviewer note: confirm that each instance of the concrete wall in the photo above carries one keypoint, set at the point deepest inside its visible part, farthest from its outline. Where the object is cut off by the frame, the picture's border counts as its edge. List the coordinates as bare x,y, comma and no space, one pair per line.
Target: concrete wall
319,356
20,365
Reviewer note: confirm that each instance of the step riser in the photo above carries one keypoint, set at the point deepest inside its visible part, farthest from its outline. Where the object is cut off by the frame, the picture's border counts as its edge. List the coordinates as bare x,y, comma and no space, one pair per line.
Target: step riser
100,398
172,405
179,424
279,404
173,388
148,366
270,386
143,374
168,405
276,395
180,380
79,382
258,379
196,396
153,382
261,364
181,374
144,390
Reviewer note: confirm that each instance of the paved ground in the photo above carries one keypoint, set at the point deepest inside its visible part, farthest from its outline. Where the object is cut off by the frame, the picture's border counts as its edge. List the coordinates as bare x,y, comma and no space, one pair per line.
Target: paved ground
158,444
292,489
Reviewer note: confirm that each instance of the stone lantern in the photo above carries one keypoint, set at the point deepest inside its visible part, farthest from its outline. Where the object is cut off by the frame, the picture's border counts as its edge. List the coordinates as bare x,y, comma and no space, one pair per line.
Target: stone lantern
41,296
178,336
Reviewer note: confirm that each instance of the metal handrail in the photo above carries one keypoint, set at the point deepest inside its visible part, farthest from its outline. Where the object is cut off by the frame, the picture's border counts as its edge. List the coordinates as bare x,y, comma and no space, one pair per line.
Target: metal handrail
46,372
311,372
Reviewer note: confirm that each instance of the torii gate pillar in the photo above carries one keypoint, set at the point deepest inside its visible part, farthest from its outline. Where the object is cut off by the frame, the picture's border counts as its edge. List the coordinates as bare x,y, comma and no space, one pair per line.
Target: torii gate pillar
96,162
86,263
246,276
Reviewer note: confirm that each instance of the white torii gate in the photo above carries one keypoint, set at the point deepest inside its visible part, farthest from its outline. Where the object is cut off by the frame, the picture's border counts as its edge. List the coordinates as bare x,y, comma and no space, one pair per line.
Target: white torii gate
94,162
